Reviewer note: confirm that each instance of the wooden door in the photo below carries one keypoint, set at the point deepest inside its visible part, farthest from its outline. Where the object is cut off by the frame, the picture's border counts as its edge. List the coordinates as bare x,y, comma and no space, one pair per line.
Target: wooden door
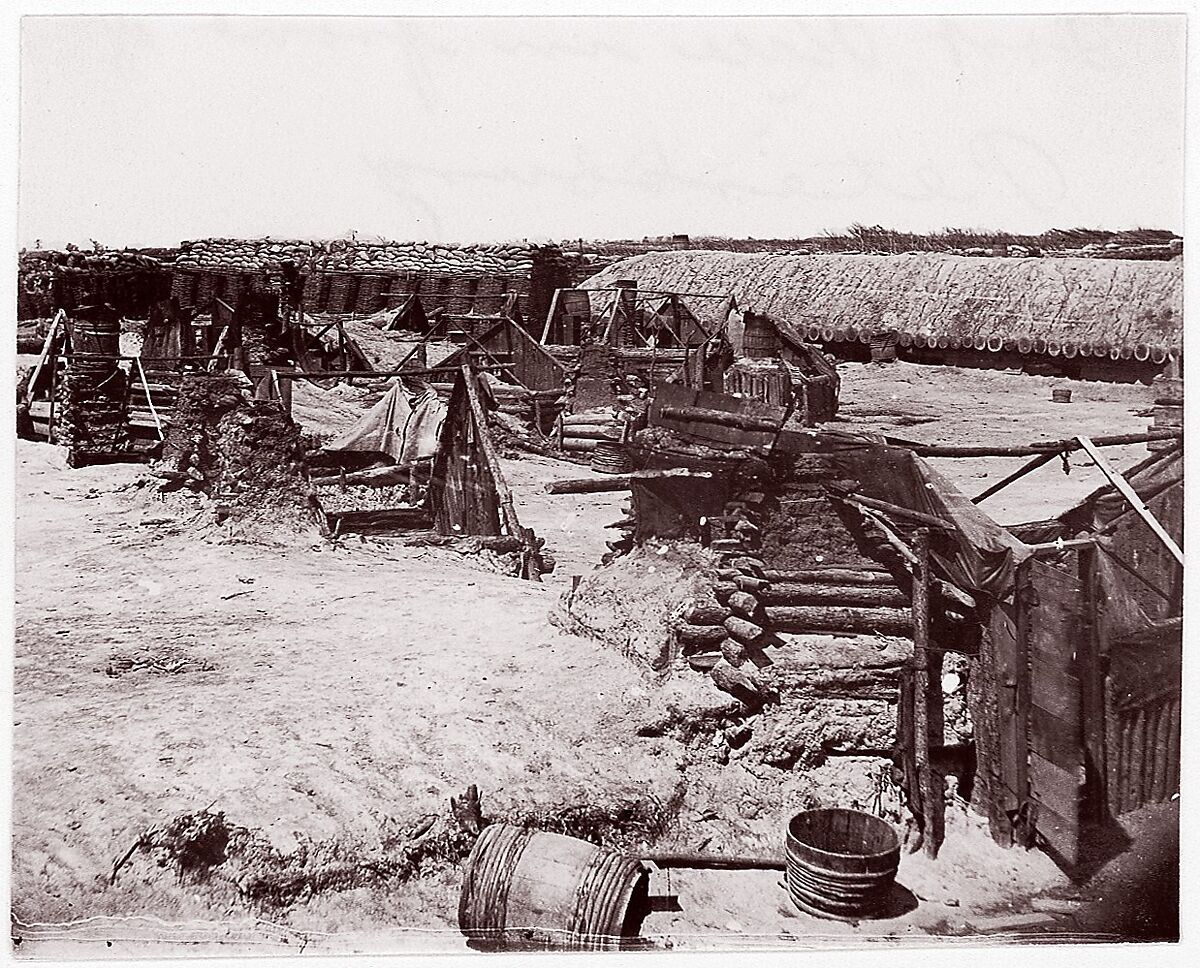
1052,634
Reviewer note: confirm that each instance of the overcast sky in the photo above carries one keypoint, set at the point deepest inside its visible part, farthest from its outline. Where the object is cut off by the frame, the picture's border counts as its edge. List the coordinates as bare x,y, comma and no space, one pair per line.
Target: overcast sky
150,130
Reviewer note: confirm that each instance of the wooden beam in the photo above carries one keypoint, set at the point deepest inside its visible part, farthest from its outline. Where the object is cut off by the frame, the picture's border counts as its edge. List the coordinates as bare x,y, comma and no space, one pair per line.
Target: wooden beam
1126,491
618,482
1031,450
373,374
720,417
933,793
1016,475
1126,567
153,411
1147,498
59,318
1048,548
869,502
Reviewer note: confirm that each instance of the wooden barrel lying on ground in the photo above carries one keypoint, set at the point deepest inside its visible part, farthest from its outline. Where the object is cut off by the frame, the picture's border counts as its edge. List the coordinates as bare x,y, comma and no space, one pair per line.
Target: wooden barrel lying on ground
841,863
528,890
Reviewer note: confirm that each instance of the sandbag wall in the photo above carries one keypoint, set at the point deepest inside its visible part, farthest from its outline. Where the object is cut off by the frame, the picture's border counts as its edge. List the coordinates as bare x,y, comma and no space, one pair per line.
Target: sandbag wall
358,277
127,281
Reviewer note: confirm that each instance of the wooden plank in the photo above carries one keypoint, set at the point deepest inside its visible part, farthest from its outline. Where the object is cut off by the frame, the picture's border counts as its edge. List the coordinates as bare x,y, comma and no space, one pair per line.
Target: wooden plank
1126,491
1052,689
1061,836
1054,738
1089,668
380,519
1059,789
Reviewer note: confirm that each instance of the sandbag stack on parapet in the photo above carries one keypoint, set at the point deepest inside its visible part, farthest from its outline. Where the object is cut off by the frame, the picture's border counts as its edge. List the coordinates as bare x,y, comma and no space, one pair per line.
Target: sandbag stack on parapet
48,281
364,277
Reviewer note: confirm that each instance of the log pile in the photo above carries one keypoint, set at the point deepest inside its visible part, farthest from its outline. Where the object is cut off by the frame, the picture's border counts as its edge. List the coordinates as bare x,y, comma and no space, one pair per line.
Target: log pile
91,414
755,597
580,433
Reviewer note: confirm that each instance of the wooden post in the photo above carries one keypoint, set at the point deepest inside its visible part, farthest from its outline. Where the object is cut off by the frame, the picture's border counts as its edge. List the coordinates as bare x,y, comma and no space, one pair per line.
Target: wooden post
933,797
1091,682
50,434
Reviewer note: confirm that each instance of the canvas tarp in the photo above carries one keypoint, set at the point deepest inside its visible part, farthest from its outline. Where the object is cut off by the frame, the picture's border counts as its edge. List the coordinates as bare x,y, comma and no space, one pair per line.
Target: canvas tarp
404,425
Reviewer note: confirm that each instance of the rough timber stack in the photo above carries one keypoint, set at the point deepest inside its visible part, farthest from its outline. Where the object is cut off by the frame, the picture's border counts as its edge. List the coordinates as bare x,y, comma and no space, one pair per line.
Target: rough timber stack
365,277
1086,317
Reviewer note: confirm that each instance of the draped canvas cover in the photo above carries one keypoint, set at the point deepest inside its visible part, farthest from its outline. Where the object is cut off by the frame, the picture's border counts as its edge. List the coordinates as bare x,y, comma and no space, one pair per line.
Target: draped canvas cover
404,425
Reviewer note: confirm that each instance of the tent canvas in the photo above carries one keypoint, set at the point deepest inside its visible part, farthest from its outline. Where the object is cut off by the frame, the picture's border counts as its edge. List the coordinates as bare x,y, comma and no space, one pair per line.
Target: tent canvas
404,425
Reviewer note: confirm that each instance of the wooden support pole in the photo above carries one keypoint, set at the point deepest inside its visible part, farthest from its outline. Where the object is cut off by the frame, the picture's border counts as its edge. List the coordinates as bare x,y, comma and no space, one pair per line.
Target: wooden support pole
1126,491
933,797
146,387
894,509
1016,475
714,861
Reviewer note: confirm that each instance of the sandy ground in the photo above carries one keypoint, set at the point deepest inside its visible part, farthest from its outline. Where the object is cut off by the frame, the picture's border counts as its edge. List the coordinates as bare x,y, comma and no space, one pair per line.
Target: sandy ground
323,691
952,405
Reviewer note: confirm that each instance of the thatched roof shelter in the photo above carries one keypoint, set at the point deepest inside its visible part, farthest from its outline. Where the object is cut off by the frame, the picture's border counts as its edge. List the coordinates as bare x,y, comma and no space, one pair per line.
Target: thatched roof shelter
1084,307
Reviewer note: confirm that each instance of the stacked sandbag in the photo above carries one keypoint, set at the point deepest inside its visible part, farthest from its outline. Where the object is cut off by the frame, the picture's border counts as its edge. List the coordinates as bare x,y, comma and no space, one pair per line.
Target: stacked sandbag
388,258
365,277
50,280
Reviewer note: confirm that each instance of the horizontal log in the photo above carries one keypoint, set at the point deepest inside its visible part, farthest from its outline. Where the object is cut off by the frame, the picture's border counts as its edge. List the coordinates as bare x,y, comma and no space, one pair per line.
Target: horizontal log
569,443
706,613
617,482
836,618
1030,450
802,593
700,634
721,418
372,477
588,419
467,544
742,630
830,576
746,583
587,433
